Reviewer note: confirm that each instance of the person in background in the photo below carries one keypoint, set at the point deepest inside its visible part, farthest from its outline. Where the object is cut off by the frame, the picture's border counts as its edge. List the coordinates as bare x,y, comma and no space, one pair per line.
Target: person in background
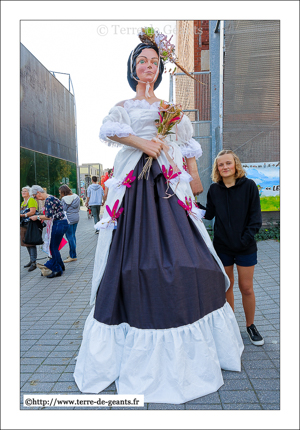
234,201
94,199
71,205
53,211
28,208
110,174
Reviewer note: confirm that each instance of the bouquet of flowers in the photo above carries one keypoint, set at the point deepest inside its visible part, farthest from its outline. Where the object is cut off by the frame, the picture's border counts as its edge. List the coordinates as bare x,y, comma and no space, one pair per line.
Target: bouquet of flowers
169,115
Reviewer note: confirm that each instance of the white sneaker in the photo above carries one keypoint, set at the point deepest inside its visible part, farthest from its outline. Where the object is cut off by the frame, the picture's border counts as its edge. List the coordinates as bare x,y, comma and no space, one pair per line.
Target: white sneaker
254,335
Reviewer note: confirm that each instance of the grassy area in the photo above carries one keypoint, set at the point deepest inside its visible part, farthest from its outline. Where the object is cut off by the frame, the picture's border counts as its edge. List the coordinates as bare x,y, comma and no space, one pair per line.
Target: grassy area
270,203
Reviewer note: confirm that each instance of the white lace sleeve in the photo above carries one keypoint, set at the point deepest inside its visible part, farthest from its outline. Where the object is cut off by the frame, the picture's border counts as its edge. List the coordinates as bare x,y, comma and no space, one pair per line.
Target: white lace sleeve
189,146
116,123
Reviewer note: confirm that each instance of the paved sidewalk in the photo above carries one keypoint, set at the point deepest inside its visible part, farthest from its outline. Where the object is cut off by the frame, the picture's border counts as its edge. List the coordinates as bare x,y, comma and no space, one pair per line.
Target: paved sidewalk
53,312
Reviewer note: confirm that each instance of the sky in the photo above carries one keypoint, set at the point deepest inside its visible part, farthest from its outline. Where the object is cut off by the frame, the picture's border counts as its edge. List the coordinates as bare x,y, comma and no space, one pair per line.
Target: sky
99,78
95,54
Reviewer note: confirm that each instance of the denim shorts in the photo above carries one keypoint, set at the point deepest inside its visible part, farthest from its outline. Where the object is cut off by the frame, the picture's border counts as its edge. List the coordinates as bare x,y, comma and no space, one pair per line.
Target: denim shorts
239,260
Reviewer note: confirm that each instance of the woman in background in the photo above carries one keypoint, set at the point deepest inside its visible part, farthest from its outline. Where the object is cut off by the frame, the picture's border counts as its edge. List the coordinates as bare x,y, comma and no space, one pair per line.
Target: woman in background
53,211
28,208
71,205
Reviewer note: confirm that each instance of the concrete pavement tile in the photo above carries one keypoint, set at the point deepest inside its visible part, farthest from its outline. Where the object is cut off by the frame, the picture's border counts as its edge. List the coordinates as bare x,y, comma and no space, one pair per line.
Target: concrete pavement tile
66,387
253,348
255,355
266,384
35,354
258,364
26,344
49,341
24,377
238,397
274,355
52,361
44,377
28,368
271,347
263,373
33,331
37,347
39,387
163,406
66,349
51,369
267,306
271,339
66,342
210,398
268,396
66,377
70,368
199,407
242,406
61,354
276,363
111,387
32,361
270,406
269,312
233,384
234,375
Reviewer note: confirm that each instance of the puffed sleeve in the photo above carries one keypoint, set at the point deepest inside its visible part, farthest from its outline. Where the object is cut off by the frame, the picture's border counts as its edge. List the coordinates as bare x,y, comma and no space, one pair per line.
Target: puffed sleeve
116,123
189,146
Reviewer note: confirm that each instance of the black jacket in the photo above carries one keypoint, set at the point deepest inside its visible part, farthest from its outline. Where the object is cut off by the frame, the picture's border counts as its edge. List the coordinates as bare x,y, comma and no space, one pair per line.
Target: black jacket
237,216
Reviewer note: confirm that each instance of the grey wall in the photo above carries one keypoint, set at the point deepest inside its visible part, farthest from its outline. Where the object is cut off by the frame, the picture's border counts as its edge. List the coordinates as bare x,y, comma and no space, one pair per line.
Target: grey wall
47,111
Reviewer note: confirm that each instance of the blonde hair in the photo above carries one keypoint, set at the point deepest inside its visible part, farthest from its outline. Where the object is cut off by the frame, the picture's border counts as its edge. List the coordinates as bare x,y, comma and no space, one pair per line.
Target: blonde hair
239,171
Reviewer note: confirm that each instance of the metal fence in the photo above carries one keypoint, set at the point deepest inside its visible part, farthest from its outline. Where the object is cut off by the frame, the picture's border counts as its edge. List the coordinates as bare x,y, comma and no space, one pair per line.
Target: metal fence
252,89
195,98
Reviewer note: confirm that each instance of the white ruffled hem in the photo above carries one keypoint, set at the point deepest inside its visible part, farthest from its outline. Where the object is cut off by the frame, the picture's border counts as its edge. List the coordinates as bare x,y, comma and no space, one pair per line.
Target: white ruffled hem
173,365
191,148
112,128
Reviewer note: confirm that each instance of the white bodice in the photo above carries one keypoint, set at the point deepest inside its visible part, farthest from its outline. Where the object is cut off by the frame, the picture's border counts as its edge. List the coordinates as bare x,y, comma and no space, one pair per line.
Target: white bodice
142,116
137,117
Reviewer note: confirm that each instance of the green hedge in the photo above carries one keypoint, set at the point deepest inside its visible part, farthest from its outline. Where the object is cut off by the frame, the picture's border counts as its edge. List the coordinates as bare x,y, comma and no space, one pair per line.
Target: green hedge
270,231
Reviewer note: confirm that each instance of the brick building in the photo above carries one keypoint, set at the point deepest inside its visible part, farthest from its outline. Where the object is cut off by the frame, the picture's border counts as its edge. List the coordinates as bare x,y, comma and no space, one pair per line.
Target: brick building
236,105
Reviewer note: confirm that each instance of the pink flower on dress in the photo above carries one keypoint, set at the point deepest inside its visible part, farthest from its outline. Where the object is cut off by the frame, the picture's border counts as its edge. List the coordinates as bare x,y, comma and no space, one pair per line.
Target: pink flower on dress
129,179
184,164
187,206
114,214
169,175
196,213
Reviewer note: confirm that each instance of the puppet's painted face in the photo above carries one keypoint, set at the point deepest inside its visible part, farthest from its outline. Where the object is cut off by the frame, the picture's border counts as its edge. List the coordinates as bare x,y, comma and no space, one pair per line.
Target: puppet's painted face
146,65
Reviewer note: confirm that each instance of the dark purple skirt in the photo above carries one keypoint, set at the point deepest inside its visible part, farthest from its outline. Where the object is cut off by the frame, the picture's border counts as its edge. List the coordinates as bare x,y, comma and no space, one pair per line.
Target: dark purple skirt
160,273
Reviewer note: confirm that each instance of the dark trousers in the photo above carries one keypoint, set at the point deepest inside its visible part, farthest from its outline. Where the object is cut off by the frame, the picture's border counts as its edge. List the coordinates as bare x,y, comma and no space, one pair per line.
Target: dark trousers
96,213
32,251
59,228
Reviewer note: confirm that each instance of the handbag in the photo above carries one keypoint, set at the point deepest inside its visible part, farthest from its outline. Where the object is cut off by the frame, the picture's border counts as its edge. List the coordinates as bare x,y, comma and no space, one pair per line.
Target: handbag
33,234
24,220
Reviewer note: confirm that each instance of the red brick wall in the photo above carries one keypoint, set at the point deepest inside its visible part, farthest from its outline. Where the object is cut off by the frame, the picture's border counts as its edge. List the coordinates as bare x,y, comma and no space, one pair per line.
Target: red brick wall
202,92
201,41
